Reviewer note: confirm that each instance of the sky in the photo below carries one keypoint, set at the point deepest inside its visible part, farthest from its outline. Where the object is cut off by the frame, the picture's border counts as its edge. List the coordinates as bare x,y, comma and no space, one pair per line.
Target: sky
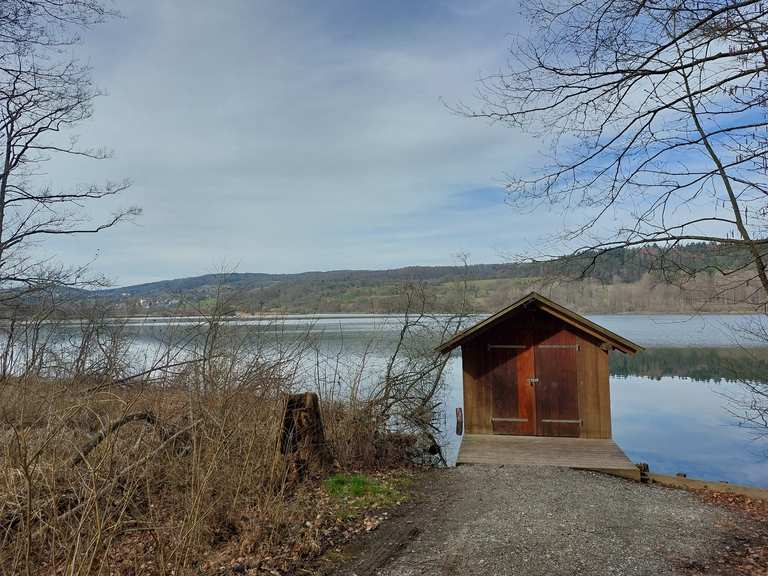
290,136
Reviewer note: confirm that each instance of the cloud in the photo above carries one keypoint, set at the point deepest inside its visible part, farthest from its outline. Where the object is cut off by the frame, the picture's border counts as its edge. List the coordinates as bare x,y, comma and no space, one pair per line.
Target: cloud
278,136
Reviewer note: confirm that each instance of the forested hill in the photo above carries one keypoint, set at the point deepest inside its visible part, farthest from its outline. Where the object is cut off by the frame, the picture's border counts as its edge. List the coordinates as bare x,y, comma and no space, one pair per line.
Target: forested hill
620,282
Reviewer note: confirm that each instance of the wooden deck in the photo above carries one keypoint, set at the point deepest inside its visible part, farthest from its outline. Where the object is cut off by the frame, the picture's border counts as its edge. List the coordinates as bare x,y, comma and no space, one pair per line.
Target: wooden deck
584,453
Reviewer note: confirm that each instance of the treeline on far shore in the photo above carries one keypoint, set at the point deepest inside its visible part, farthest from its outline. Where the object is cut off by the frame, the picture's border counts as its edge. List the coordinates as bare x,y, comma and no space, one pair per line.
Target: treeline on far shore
648,294
684,279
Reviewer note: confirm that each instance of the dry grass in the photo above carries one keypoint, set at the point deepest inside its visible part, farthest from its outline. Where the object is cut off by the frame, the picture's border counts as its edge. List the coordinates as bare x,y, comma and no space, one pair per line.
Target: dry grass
178,474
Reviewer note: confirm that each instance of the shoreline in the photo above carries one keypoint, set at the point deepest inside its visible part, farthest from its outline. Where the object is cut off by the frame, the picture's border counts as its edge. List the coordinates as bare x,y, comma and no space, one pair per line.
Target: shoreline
273,316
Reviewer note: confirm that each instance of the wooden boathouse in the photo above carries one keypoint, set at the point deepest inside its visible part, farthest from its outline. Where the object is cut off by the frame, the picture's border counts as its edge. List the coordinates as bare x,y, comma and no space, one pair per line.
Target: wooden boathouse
536,387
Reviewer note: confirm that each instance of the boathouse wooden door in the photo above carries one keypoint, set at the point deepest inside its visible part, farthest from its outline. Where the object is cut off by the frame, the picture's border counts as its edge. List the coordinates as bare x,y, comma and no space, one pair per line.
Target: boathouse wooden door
557,393
534,385
512,399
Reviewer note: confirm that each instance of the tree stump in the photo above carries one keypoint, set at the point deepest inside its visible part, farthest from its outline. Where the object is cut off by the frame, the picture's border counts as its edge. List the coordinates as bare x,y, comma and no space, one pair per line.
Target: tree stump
303,435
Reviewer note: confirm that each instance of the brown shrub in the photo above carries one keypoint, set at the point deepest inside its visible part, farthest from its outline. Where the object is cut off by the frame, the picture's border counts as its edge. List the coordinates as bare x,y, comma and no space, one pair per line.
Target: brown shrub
154,476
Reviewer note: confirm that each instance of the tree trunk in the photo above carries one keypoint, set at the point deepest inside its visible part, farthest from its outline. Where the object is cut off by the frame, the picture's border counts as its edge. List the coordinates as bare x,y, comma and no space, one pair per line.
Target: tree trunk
303,435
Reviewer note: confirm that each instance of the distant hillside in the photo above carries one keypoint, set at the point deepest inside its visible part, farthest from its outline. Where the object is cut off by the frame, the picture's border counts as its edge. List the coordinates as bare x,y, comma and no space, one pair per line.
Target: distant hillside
620,283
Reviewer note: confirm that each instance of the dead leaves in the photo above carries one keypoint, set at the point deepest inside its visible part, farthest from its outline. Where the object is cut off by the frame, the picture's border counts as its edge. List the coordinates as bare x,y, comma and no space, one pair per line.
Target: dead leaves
319,523
747,553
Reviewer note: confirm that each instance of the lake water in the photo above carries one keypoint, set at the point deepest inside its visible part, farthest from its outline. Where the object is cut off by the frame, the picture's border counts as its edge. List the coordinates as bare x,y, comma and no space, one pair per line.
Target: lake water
670,403
661,415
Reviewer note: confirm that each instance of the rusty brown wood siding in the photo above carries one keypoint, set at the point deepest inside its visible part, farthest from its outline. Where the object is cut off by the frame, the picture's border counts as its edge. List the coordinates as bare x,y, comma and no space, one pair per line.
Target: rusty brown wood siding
592,371
604,390
594,391
477,397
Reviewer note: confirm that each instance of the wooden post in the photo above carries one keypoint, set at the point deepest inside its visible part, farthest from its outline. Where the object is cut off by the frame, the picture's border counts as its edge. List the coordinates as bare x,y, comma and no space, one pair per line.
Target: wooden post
303,435
645,472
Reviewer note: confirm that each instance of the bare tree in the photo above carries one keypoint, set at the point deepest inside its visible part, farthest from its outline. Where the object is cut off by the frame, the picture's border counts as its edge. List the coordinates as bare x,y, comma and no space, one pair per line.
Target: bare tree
410,392
44,95
653,114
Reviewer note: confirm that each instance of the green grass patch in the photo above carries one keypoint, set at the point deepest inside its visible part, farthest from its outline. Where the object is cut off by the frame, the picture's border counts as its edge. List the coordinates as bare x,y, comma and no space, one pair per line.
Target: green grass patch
356,485
360,492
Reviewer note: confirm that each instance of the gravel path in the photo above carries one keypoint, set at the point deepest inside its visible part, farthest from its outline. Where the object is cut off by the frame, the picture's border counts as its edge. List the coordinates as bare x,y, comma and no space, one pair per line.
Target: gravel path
476,520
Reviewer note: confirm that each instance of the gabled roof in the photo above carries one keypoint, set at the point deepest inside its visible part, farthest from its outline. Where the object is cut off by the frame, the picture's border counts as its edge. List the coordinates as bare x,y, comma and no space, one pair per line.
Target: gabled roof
534,299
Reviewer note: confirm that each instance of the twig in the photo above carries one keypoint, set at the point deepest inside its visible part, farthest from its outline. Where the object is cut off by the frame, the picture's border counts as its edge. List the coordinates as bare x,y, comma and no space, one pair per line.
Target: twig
97,439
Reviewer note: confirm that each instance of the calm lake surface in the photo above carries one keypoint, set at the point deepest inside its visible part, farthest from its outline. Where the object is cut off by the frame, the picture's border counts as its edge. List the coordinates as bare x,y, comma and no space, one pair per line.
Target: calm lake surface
681,420
670,403
662,416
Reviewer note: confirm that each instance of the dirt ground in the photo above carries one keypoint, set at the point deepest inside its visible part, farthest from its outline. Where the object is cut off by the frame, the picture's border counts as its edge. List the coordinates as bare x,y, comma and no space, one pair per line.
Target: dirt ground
478,520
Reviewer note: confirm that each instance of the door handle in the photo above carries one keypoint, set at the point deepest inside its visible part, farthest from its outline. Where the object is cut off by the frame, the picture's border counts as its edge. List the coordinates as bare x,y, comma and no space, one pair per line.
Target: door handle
532,381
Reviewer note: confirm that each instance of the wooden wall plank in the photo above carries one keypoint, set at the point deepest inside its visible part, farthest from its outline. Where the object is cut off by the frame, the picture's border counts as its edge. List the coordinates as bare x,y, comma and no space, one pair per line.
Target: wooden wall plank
587,397
594,391
477,398
604,390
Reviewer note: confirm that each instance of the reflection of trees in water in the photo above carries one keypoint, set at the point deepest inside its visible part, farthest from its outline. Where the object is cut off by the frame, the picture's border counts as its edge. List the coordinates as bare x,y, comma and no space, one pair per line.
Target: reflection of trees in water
695,363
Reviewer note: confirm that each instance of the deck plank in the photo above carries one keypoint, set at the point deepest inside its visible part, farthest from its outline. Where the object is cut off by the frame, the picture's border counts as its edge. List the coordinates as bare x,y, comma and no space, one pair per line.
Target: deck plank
543,451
